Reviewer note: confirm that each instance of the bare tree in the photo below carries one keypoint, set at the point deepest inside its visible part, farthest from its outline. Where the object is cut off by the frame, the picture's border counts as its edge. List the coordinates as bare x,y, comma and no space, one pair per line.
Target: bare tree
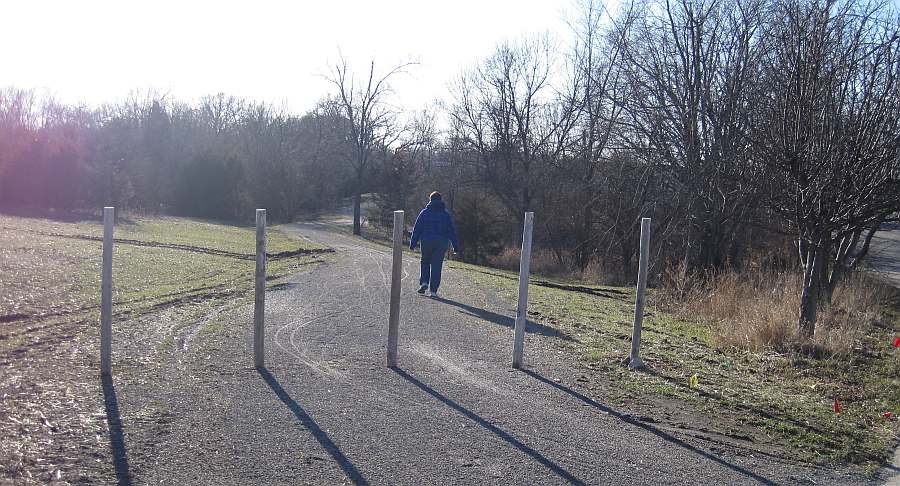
220,112
325,153
506,111
594,95
690,67
829,132
371,118
404,163
18,115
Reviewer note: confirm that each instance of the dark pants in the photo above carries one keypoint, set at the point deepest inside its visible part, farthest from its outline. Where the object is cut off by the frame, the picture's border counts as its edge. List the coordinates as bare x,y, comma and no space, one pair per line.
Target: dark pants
433,252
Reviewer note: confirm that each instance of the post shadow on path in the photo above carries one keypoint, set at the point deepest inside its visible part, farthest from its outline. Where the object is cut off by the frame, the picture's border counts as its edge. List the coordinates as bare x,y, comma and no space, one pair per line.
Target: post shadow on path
116,434
607,293
506,436
505,321
330,447
649,428
830,436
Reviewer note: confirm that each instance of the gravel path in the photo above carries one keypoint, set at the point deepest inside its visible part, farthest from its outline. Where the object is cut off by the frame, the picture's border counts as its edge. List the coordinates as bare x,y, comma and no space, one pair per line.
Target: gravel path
326,410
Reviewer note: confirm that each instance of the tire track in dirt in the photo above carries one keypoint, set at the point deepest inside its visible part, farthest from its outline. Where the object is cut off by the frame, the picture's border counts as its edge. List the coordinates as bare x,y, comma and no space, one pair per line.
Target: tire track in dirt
303,352
311,349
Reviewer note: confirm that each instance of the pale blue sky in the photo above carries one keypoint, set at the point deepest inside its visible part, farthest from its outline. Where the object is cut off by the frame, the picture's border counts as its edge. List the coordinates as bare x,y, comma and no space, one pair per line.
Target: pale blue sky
95,51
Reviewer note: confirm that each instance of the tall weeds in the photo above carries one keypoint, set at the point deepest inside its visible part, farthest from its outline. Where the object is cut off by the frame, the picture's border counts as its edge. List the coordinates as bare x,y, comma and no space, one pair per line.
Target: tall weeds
547,264
758,308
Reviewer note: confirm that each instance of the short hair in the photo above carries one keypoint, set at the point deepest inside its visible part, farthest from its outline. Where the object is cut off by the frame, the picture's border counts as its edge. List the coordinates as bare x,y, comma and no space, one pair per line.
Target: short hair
434,195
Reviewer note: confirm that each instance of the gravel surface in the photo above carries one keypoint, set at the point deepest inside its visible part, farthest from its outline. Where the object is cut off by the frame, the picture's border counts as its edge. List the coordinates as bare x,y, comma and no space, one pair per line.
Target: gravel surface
327,410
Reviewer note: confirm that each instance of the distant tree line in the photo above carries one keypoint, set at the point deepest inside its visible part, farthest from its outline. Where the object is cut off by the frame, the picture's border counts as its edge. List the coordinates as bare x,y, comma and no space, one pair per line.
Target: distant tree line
218,158
739,126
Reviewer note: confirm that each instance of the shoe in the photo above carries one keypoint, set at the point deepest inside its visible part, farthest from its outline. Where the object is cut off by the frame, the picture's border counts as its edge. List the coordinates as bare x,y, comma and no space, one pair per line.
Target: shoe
434,295
422,289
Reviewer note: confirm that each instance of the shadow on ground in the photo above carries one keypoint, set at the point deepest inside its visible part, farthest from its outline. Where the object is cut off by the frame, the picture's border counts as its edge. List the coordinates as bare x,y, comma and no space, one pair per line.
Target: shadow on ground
649,428
116,434
506,436
606,293
829,436
506,321
330,447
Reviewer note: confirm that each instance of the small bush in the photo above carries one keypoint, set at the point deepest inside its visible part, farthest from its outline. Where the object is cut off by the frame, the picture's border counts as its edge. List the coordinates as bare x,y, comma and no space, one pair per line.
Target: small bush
547,264
598,271
543,262
507,259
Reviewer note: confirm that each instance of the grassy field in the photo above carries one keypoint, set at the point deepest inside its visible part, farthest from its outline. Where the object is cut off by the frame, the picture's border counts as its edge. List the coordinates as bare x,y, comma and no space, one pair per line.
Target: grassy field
765,401
168,274
51,269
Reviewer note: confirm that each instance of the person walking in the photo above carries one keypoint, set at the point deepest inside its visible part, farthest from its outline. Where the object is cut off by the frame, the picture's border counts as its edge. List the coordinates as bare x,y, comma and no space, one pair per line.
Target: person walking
435,230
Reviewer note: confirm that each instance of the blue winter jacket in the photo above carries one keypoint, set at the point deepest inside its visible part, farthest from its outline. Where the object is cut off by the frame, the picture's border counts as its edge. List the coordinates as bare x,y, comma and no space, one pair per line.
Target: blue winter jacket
434,223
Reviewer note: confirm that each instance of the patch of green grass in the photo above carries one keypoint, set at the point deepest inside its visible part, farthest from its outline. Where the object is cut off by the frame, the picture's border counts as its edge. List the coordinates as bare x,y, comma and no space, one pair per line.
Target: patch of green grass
48,269
146,278
214,326
788,398
167,343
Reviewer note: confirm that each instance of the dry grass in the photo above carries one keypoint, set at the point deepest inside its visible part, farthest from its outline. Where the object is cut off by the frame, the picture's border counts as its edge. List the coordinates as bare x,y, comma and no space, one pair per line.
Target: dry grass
600,272
758,309
547,264
508,259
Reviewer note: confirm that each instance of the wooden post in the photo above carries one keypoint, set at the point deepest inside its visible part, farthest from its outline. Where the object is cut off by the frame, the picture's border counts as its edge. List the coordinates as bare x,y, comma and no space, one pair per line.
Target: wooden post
635,358
259,308
106,293
396,275
522,308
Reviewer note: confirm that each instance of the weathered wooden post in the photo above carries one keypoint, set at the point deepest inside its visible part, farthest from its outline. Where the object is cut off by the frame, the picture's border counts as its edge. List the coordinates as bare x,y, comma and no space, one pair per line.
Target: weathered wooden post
522,308
394,318
635,358
259,308
109,215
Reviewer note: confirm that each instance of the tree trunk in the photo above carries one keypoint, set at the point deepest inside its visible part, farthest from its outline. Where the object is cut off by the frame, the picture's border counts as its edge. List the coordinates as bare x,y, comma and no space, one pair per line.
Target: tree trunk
837,273
865,249
585,247
811,257
823,255
526,199
685,270
840,264
356,216
627,267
